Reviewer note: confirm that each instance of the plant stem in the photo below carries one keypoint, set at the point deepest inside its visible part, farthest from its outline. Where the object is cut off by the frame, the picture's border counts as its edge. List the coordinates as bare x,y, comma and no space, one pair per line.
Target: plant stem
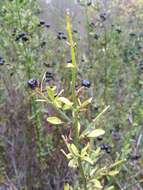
74,98
82,174
72,47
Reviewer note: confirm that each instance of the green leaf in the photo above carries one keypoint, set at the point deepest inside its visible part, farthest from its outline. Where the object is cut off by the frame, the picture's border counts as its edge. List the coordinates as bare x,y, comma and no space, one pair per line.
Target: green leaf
86,103
96,183
113,173
96,133
65,101
67,107
118,163
57,103
54,120
73,163
51,92
84,134
74,150
93,171
84,150
87,159
66,186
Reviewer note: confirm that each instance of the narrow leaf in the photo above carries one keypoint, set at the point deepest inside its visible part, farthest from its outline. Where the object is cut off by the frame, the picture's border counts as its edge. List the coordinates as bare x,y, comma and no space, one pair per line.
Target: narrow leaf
113,173
65,101
87,159
96,133
97,183
86,103
54,120
74,150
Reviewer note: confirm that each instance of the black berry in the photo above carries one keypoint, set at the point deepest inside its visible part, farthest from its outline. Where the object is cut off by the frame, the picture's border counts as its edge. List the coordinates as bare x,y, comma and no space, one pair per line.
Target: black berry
96,108
64,37
32,83
22,36
47,25
61,36
103,16
49,76
75,31
43,44
96,36
42,22
86,83
140,65
89,3
69,61
46,64
60,33
118,30
132,34
2,61
135,157
99,138
108,151
25,38
102,146
106,148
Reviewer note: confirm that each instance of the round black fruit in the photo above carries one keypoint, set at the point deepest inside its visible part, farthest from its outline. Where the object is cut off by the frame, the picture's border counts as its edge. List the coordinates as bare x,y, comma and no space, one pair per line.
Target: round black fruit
32,83
86,83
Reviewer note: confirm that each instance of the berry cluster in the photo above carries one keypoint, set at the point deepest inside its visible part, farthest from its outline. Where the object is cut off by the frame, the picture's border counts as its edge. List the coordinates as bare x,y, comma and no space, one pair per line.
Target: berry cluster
106,148
42,23
22,36
49,76
103,16
61,36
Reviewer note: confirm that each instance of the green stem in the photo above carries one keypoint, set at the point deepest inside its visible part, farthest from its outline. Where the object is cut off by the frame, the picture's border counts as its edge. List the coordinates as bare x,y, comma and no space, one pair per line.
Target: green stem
82,174
74,98
74,69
